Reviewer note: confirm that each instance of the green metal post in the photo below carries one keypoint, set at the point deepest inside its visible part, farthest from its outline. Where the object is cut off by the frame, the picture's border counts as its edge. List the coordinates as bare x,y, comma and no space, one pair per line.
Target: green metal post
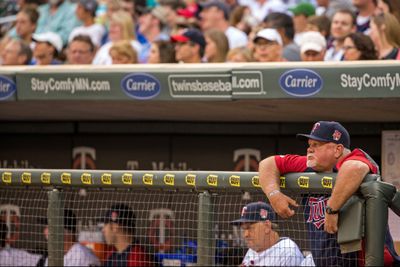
205,235
55,217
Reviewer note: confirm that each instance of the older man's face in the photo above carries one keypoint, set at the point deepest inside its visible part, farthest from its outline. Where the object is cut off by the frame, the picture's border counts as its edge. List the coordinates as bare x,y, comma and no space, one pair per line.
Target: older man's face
267,51
79,53
11,54
256,235
43,53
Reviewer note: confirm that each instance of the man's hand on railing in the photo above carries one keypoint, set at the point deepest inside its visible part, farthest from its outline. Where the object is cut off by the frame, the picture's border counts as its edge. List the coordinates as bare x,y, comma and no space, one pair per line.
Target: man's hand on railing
281,203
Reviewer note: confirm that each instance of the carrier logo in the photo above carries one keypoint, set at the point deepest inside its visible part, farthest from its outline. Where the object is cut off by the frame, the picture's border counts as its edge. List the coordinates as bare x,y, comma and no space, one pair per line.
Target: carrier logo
190,179
148,179
301,82
106,178
169,179
326,182
127,178
66,178
317,211
141,86
86,178
212,180
234,180
303,181
7,87
26,178
282,181
7,177
45,177
255,180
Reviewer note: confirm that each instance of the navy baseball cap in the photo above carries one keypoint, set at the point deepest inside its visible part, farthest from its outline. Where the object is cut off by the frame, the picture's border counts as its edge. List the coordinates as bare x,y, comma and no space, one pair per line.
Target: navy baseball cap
192,35
256,212
121,214
328,131
218,4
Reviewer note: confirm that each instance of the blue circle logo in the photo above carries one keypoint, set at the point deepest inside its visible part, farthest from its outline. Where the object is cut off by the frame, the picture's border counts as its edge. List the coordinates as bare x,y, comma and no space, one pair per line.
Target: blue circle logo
7,87
301,82
141,86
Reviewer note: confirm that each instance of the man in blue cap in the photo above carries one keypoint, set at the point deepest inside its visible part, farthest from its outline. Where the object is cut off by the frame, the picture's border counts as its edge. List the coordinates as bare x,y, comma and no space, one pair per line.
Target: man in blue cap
266,248
119,231
328,151
189,46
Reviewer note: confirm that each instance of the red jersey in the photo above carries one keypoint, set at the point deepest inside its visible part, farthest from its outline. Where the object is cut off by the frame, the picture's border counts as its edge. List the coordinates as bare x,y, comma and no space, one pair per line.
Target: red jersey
295,163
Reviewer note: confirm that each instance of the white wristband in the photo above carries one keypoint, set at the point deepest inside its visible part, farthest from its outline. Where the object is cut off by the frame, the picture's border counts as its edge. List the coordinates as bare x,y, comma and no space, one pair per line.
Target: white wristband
273,192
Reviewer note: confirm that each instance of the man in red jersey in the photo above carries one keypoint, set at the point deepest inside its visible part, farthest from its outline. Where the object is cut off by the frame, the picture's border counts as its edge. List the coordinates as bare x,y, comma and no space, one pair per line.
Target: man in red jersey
119,230
328,151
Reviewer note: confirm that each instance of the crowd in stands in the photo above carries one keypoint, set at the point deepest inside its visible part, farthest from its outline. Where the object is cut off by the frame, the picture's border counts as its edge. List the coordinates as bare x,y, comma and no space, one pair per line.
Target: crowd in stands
105,32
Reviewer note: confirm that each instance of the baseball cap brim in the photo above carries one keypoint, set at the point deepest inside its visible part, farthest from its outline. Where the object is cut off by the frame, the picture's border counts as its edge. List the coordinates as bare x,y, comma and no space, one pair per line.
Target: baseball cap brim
180,39
313,137
240,221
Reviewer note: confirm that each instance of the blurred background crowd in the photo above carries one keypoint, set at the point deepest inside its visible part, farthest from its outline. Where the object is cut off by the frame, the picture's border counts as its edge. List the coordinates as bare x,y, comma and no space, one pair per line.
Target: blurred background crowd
104,32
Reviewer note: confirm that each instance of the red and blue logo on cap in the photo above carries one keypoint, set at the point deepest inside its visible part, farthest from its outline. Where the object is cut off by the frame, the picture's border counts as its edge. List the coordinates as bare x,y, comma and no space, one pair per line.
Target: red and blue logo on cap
263,213
336,135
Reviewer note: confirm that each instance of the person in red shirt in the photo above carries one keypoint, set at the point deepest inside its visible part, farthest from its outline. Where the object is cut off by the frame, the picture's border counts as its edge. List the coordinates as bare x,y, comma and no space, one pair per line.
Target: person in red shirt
118,231
328,151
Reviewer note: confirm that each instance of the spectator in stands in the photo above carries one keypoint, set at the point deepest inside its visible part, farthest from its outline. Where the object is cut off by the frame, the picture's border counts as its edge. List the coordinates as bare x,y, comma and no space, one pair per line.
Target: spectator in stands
162,52
75,254
343,23
358,46
189,46
16,52
12,256
241,19
119,231
300,14
25,24
313,46
266,248
122,52
268,46
385,33
86,13
217,46
215,15
261,8
151,24
171,6
283,23
57,16
364,10
389,6
239,54
121,28
48,46
320,24
81,50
